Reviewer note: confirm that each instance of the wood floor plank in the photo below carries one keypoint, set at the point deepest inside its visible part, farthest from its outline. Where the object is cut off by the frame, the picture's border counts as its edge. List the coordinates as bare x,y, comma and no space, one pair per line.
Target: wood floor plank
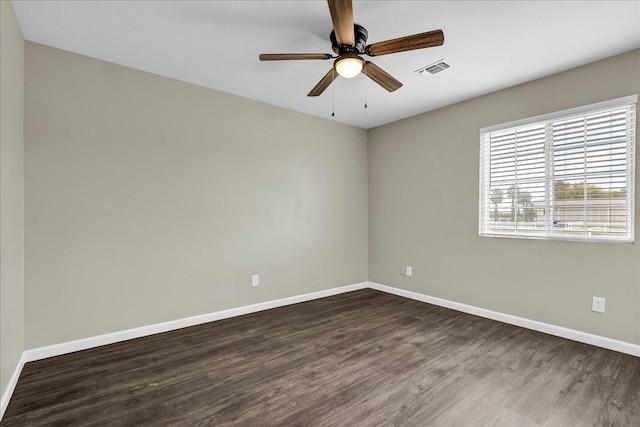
363,358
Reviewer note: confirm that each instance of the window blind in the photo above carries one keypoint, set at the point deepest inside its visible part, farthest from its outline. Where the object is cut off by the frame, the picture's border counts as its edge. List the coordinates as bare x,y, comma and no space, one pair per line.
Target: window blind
567,175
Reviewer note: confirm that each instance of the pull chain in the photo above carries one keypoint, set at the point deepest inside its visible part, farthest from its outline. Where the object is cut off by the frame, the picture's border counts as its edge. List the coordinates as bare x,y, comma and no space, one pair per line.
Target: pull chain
333,97
365,86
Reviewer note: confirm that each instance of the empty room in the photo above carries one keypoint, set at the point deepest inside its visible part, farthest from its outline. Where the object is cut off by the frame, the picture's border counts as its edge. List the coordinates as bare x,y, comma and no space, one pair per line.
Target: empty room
319,213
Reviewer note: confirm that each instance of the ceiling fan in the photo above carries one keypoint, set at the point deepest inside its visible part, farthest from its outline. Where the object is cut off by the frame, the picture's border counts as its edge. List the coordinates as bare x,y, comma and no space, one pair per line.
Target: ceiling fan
348,41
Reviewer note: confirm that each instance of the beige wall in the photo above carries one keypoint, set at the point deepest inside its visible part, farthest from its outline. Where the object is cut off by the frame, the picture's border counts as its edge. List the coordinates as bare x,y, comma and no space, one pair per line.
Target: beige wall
149,199
423,212
11,194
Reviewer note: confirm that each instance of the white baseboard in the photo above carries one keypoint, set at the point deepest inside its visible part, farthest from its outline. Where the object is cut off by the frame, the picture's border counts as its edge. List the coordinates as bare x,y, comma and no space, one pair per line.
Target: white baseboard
91,342
8,392
96,341
143,331
559,331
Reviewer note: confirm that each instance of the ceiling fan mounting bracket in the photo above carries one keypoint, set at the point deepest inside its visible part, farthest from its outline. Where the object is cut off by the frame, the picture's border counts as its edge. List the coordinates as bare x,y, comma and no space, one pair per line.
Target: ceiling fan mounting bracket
361,36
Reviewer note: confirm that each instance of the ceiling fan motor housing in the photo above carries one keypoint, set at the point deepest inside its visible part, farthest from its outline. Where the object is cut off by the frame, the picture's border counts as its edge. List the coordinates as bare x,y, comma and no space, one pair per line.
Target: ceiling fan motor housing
361,36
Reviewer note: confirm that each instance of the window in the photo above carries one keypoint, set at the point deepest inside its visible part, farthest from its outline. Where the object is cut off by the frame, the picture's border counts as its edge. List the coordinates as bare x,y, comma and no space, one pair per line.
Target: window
566,175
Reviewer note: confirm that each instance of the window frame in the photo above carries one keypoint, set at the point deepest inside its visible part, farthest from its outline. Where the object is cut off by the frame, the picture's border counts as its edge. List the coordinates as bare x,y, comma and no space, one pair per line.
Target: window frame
484,206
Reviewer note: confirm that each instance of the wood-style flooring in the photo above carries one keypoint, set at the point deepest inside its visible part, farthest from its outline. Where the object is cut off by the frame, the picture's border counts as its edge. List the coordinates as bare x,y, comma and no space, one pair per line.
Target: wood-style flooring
363,358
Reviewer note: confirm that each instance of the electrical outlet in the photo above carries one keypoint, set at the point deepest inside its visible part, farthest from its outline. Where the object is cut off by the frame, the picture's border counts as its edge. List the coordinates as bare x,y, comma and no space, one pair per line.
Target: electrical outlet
598,305
409,271
255,280
403,270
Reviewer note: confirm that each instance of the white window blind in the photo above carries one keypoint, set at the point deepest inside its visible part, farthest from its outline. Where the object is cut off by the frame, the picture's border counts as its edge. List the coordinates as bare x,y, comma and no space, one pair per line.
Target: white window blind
566,175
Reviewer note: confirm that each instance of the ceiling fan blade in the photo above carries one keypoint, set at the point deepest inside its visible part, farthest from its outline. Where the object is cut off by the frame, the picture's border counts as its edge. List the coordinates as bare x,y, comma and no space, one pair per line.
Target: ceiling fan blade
289,56
403,44
324,83
381,77
342,17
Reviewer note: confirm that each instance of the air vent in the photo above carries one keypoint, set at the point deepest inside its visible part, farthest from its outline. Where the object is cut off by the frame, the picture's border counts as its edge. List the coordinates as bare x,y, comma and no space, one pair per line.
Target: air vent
434,68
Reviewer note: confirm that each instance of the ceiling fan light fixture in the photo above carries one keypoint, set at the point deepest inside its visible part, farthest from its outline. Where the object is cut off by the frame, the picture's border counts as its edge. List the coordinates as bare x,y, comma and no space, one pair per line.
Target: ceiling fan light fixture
349,65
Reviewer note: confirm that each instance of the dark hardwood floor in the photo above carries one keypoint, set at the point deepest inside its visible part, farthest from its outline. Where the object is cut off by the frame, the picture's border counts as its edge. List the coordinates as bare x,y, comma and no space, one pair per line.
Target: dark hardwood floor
364,358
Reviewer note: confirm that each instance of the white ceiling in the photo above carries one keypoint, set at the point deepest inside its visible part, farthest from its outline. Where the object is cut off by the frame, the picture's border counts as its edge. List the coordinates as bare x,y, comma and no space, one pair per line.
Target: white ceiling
490,45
